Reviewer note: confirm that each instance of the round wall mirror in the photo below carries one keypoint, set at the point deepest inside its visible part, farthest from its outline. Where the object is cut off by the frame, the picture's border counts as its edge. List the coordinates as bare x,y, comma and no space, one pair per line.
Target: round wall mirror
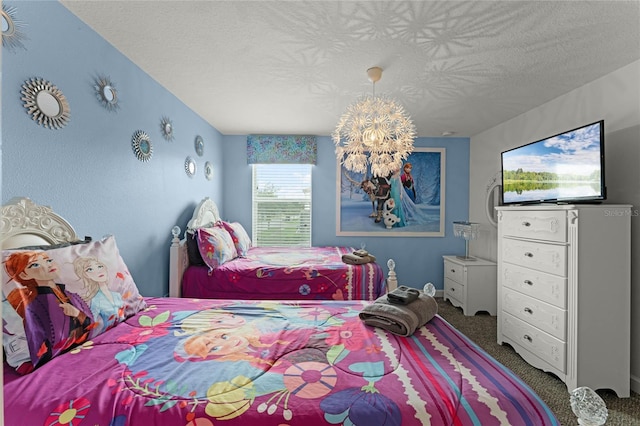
166,127
106,93
141,145
45,103
493,198
8,29
12,35
208,170
199,144
190,167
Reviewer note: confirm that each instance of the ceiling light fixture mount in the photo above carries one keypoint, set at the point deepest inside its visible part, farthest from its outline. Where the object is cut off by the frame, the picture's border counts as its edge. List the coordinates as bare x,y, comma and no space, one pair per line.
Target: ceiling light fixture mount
375,74
375,135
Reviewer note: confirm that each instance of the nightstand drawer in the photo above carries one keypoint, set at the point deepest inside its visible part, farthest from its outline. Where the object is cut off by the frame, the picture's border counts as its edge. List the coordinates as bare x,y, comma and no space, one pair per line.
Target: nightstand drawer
454,289
551,258
546,287
535,312
536,341
539,225
454,272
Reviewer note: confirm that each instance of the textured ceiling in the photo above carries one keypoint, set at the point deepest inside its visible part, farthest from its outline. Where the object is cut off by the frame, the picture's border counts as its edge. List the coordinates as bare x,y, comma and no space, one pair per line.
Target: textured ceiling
292,67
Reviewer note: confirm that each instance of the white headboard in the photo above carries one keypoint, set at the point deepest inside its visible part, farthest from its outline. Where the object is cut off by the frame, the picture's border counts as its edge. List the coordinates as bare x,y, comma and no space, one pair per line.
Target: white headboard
25,223
205,214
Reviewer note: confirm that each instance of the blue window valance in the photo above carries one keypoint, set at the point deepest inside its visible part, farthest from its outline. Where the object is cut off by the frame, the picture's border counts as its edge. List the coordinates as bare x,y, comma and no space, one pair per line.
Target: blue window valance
276,149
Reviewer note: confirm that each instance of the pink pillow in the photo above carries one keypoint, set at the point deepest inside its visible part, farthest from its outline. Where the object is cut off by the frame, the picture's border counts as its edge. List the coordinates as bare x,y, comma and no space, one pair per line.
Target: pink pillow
239,236
216,246
90,280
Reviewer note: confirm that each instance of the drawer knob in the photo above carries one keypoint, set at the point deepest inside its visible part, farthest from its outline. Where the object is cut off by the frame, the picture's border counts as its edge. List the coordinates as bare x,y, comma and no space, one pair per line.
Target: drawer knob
528,311
528,282
528,254
526,224
453,289
528,338
453,270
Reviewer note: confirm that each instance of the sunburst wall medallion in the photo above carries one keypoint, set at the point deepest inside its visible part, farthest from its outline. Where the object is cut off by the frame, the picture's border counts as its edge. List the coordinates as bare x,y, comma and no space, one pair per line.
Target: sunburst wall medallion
141,145
45,103
190,167
106,93
166,127
12,35
199,145
208,170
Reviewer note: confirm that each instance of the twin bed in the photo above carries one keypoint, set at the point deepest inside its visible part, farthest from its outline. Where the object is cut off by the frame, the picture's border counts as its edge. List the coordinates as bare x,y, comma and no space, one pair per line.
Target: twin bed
299,273
204,362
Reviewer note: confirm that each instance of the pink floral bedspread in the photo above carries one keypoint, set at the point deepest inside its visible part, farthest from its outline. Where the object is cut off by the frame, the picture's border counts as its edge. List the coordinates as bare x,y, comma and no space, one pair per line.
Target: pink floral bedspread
185,362
307,273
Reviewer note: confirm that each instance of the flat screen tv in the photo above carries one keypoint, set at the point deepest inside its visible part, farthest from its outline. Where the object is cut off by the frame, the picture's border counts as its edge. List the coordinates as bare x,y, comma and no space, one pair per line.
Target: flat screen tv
565,168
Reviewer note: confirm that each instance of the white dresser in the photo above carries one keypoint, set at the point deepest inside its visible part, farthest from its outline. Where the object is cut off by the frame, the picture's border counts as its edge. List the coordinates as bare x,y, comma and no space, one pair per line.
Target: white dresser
470,284
564,288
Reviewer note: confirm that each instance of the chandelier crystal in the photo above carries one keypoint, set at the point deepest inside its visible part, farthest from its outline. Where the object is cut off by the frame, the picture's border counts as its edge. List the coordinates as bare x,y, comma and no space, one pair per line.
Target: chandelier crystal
375,135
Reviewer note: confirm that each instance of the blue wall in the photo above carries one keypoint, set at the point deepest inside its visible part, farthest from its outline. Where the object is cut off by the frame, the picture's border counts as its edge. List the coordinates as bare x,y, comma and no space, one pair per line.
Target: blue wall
87,171
418,259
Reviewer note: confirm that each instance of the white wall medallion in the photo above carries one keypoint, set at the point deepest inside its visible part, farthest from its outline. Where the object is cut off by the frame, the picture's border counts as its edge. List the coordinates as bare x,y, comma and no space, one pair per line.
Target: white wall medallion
45,103
106,93
190,167
208,170
12,35
141,145
199,145
166,127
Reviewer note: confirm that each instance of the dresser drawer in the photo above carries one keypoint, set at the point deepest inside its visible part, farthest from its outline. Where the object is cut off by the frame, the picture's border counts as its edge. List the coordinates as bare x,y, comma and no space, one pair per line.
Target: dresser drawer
536,341
453,288
543,257
453,271
546,287
540,225
542,315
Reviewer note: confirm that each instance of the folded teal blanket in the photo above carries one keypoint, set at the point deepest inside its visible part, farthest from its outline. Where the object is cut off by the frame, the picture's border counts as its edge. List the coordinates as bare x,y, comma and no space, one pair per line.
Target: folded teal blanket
402,320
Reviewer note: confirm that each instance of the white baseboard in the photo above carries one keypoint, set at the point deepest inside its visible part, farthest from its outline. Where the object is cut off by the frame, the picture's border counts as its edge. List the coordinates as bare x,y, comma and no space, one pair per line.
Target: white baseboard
635,383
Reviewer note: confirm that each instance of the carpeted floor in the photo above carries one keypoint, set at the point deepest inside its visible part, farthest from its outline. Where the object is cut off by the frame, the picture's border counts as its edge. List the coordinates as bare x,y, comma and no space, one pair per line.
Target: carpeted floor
481,328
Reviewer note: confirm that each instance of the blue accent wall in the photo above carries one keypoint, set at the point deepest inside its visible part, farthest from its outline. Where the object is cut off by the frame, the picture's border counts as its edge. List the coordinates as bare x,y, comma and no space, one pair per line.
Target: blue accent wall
88,173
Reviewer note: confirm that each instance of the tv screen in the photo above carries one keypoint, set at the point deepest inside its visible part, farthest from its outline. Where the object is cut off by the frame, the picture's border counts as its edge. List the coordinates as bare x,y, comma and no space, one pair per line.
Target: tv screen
565,168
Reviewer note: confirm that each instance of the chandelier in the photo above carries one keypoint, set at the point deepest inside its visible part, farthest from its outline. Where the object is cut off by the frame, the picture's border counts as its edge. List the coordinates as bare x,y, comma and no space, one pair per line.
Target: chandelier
374,135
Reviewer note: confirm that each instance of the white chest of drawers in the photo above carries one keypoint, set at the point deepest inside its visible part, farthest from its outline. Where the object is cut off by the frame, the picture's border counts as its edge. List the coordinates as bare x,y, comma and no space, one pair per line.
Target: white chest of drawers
564,286
470,284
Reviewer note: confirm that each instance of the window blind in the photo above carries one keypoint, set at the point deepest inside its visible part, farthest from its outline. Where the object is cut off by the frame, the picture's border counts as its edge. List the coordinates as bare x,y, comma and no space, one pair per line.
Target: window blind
281,204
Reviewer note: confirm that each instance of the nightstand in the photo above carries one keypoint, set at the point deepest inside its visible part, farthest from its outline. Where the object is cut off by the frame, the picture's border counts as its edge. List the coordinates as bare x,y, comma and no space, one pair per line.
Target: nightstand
470,284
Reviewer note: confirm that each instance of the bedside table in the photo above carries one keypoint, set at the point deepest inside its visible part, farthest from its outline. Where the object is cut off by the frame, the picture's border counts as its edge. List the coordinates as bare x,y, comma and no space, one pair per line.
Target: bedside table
470,284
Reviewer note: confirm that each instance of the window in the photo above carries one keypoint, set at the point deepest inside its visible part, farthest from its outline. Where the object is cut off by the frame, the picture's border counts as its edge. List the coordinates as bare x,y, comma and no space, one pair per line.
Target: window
281,203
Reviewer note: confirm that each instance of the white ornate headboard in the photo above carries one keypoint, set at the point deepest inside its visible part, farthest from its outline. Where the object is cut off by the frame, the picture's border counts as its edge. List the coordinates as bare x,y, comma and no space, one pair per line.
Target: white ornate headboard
205,214
25,223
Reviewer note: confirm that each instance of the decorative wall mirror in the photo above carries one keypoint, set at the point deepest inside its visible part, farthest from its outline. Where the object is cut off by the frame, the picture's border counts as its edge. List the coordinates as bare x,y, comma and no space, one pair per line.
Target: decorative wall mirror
199,145
141,145
106,93
12,35
492,199
166,127
45,103
190,167
208,170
